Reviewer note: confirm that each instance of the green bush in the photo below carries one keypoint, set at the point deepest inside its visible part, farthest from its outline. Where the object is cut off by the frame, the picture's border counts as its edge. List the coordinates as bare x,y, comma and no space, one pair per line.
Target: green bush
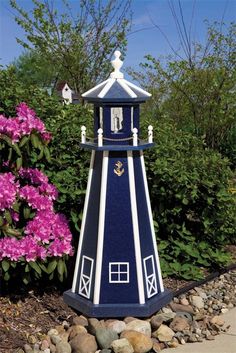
194,211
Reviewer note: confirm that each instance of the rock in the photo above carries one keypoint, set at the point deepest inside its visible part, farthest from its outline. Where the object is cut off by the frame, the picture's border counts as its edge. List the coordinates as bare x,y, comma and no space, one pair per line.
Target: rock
44,344
192,338
179,307
80,320
210,337
104,351
140,342
197,301
76,330
47,350
93,324
166,317
117,326
28,348
173,344
52,332
83,343
156,322
105,337
129,318
156,345
19,350
55,339
140,326
217,320
52,348
65,336
60,329
63,347
166,310
184,301
164,333
179,324
32,339
181,340
185,315
224,310
122,346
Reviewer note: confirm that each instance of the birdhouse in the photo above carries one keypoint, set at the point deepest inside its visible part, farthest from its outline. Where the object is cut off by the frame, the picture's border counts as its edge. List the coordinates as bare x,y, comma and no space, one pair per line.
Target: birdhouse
117,271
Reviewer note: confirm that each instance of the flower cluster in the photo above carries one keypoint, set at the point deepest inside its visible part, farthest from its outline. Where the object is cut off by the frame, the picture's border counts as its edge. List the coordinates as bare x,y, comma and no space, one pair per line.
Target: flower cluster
8,190
23,124
47,234
36,177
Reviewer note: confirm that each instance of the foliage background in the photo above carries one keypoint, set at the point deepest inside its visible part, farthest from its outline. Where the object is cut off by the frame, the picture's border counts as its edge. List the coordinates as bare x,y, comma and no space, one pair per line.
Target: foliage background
191,170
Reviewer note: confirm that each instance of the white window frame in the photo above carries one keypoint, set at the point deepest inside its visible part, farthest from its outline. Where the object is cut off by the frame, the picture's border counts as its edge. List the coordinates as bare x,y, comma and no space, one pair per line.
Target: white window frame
118,272
151,279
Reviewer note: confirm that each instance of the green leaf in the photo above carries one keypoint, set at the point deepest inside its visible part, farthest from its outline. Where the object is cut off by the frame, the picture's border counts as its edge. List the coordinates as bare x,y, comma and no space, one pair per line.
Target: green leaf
6,276
8,217
5,265
43,267
47,154
60,267
51,266
23,141
35,266
18,163
26,212
1,221
35,140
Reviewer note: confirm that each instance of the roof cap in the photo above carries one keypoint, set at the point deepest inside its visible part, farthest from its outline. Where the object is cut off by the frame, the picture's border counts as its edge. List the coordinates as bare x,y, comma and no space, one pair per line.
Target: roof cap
116,88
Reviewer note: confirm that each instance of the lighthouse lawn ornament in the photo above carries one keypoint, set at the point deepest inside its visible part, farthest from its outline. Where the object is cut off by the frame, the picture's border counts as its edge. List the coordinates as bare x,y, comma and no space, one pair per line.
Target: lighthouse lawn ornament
117,270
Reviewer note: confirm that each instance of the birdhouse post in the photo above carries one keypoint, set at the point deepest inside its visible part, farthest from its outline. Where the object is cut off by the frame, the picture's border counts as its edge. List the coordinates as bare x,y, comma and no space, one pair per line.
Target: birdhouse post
117,271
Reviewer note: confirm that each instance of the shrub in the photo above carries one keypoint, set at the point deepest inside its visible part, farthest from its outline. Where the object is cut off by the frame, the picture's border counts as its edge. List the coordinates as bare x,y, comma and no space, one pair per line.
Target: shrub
194,210
33,238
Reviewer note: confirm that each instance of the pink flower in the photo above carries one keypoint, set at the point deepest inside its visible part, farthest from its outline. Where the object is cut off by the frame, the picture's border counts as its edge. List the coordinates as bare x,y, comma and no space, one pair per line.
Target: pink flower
25,123
8,190
32,196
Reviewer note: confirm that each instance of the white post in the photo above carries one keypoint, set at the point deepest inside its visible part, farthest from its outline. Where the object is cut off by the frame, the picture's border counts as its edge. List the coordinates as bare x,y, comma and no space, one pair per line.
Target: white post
100,137
135,136
83,134
150,134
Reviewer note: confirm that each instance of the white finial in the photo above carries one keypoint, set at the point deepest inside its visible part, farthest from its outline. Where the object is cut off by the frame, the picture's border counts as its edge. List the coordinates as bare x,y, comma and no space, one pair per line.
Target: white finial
117,64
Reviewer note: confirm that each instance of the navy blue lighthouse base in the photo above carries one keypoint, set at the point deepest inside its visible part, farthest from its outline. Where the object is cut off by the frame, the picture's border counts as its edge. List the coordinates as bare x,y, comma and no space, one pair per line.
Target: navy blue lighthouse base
117,271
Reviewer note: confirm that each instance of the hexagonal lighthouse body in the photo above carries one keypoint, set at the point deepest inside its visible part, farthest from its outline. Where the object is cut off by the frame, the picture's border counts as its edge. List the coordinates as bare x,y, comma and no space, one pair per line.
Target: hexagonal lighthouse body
117,271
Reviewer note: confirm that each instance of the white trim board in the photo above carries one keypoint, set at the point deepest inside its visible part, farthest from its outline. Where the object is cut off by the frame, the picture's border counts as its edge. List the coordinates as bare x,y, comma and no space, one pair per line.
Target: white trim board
135,227
151,223
75,278
101,226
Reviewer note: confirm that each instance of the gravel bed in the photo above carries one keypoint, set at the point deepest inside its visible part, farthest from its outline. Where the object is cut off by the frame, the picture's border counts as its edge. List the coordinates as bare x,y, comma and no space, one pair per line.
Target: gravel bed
191,317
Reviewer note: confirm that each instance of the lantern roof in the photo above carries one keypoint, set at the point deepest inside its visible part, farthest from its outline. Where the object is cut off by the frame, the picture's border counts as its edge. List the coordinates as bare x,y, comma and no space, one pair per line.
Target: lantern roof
116,88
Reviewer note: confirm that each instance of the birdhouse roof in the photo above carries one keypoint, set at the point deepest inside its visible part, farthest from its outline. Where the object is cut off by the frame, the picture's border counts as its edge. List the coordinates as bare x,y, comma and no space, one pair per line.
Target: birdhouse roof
116,88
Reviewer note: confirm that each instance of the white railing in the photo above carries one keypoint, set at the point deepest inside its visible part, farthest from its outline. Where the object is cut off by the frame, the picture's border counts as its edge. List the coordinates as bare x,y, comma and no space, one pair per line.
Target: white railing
83,134
100,137
150,134
134,137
